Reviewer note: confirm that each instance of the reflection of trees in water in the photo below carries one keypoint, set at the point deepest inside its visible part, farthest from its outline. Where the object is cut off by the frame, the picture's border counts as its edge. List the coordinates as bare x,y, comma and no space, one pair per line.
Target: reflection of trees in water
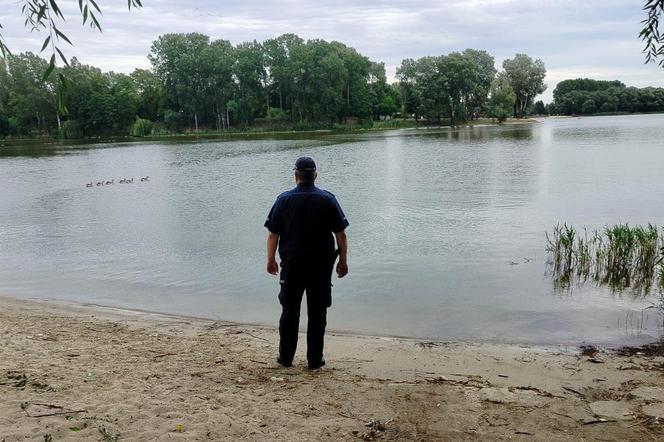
622,258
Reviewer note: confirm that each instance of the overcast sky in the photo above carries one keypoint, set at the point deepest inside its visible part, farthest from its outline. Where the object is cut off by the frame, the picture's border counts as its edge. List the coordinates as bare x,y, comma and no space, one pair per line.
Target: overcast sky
589,38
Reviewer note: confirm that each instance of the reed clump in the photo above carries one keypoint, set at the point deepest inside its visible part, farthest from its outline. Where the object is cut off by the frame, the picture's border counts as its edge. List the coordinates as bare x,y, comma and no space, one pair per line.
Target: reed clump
620,257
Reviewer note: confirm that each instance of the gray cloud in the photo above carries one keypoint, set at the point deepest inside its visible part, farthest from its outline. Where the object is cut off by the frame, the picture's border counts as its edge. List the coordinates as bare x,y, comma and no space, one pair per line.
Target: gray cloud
595,38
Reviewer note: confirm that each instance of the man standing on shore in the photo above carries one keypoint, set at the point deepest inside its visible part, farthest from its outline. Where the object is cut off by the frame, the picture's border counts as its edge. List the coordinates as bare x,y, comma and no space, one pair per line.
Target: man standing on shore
303,222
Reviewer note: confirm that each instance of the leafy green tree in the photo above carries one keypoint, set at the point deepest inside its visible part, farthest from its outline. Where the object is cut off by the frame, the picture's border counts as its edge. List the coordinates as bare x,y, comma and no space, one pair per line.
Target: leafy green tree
281,55
181,63
221,56
250,78
407,86
526,77
99,103
571,96
390,104
150,93
30,102
485,74
460,81
446,86
501,99
379,92
539,108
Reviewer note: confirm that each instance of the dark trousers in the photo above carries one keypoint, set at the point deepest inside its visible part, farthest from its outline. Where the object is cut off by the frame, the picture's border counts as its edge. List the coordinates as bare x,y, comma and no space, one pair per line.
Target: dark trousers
314,277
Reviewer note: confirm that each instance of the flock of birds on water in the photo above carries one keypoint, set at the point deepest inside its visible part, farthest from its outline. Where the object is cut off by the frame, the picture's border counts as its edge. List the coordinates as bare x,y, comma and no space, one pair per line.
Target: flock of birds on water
111,182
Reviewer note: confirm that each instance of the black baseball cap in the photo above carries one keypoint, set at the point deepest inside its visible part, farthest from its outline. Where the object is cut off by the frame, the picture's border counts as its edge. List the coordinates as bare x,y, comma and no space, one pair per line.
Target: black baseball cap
305,164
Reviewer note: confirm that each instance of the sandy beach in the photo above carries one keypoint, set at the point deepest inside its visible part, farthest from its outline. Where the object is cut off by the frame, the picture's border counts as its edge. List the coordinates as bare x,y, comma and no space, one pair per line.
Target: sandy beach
70,372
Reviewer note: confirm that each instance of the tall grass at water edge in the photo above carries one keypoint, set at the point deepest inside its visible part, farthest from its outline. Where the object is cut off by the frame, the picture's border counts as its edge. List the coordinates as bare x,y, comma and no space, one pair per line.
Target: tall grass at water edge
620,257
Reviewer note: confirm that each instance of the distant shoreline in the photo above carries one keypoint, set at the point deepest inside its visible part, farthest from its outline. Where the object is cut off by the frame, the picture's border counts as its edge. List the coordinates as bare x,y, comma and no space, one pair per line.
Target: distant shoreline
258,134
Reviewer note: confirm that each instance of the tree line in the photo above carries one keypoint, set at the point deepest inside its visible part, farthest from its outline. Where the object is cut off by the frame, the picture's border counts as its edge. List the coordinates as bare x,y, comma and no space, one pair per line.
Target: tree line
586,96
196,83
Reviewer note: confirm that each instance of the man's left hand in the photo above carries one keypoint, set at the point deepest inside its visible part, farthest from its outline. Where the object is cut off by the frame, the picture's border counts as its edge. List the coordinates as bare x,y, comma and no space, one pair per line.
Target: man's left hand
342,269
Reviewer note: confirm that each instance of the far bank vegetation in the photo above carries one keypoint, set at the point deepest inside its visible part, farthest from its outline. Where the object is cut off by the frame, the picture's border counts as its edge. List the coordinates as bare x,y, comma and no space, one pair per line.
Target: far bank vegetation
286,83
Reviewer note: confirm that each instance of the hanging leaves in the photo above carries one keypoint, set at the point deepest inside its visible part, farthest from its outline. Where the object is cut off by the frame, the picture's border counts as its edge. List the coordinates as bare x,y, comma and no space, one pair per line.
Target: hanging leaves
42,15
650,34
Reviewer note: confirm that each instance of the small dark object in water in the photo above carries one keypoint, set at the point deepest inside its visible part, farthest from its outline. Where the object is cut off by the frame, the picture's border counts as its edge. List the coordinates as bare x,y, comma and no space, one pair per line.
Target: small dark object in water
145,178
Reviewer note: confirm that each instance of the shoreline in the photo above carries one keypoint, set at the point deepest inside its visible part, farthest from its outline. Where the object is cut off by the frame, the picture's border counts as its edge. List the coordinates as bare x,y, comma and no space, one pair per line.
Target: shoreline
569,348
103,373
566,347
10,142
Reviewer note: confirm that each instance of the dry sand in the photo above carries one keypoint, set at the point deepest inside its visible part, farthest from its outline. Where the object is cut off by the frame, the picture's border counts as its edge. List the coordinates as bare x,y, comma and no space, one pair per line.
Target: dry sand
74,372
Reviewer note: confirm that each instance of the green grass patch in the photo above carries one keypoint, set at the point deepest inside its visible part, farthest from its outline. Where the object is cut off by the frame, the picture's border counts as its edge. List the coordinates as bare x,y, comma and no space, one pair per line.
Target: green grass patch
620,257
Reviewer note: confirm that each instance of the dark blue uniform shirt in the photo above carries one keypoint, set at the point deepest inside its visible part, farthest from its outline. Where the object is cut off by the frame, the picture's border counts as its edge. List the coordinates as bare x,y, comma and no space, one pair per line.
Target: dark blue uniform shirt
305,219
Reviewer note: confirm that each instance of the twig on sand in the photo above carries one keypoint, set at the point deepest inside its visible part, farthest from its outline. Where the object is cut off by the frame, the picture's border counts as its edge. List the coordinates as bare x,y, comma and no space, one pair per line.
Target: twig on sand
563,415
61,409
258,362
598,421
254,336
571,390
163,355
539,391
57,413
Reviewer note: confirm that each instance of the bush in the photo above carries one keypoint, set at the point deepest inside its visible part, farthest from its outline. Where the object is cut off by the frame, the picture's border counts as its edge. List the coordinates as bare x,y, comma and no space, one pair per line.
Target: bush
159,128
70,130
141,127
366,123
274,113
395,123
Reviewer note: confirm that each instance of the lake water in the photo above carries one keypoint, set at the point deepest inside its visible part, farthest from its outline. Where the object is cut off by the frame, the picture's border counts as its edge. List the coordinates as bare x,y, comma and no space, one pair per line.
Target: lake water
446,226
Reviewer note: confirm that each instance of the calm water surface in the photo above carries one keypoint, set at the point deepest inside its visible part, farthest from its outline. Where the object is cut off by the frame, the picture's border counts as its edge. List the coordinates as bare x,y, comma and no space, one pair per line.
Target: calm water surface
446,236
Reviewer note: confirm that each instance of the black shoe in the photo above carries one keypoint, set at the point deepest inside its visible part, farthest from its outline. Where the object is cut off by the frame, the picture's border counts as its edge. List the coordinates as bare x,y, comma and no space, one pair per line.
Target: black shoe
314,366
284,364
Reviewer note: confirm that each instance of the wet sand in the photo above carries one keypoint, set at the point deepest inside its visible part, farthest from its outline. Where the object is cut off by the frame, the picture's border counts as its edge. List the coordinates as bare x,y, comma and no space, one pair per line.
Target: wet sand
72,372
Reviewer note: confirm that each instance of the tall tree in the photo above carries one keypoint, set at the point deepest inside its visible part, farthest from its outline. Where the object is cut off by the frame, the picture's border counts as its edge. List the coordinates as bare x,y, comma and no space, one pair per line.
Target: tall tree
250,78
280,66
181,62
526,77
460,79
150,92
30,101
486,72
446,86
501,100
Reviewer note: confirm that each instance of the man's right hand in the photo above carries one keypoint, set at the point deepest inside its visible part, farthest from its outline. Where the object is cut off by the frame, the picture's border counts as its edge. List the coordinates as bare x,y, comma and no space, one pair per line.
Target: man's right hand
272,267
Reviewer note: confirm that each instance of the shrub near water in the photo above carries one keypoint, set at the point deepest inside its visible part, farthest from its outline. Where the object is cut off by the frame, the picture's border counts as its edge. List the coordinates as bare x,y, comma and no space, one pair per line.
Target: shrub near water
70,130
141,128
619,257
